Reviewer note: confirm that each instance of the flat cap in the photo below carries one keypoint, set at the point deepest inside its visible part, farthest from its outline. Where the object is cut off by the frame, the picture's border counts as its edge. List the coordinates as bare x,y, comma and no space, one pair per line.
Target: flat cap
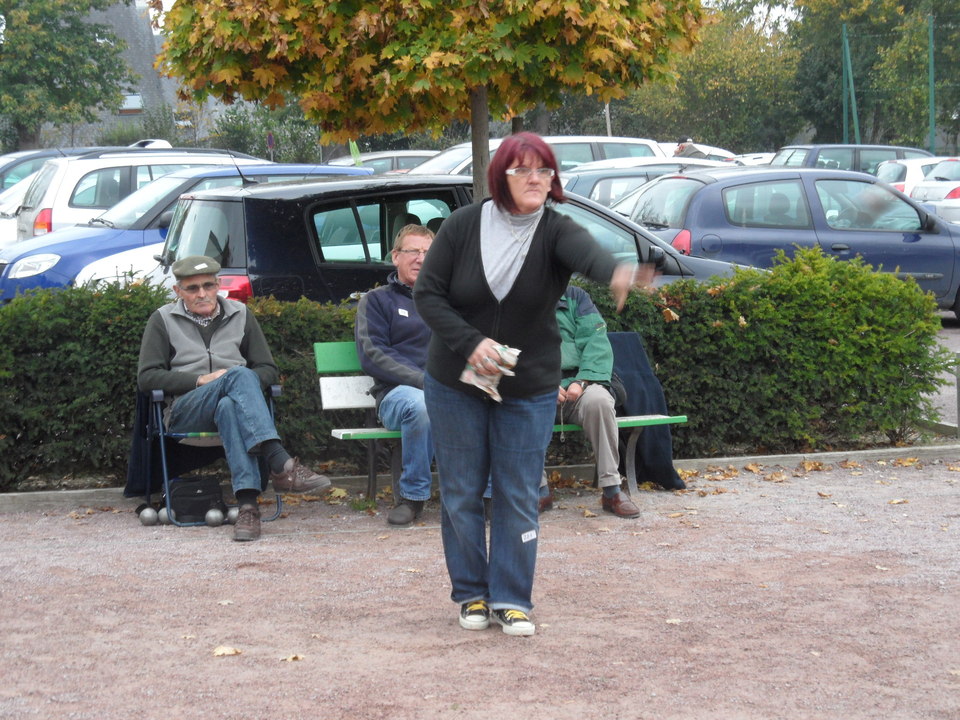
195,265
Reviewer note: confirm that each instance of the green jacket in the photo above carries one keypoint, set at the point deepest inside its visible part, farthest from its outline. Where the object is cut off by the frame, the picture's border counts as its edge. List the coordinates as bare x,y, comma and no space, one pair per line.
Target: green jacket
585,352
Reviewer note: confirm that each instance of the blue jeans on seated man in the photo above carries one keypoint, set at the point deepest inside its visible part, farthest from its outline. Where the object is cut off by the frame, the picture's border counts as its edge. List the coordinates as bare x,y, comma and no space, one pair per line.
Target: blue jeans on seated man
478,440
234,406
403,409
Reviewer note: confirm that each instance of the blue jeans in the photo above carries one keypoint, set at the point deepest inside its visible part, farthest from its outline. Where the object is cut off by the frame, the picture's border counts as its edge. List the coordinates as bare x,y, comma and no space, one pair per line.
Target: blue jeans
403,409
234,406
479,440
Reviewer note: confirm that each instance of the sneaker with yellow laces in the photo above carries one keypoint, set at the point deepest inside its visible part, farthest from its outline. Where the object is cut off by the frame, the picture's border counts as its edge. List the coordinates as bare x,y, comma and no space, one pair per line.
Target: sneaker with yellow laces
475,615
514,622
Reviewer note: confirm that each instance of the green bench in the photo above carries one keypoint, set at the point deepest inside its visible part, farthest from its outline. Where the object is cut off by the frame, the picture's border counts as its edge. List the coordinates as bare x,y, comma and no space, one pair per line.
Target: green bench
343,386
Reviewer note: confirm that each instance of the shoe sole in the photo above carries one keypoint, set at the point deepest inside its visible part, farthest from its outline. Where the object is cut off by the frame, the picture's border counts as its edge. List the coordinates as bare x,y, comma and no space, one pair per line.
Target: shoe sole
244,537
515,630
474,624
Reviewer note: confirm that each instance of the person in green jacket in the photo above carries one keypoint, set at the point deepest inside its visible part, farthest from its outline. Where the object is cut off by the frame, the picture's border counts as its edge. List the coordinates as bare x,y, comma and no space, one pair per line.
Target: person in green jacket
586,396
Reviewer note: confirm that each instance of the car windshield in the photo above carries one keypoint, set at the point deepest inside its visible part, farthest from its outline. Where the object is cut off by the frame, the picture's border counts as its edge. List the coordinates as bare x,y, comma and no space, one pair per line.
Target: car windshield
945,170
664,203
445,162
126,212
210,228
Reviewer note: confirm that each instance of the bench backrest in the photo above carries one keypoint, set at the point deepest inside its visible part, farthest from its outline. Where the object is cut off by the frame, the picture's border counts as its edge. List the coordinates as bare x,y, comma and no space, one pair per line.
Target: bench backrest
341,392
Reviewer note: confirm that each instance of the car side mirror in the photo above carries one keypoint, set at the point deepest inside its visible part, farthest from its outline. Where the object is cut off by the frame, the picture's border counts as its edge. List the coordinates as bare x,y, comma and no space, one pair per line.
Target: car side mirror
656,257
164,220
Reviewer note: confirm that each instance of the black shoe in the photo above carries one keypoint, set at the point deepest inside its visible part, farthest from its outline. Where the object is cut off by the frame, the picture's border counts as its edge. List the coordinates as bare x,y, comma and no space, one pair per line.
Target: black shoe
514,622
406,512
475,615
248,523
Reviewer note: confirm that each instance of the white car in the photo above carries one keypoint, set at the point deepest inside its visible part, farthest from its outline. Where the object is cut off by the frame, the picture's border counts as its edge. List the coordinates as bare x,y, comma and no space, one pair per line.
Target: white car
673,163
905,173
388,161
136,265
10,200
571,150
940,189
71,190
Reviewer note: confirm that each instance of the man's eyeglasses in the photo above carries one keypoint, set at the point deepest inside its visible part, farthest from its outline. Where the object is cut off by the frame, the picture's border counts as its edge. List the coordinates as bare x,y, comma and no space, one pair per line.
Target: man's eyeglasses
525,172
207,287
411,251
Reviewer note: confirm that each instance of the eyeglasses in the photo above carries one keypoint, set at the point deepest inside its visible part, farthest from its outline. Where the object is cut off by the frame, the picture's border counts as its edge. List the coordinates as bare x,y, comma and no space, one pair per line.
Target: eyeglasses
207,287
411,251
525,172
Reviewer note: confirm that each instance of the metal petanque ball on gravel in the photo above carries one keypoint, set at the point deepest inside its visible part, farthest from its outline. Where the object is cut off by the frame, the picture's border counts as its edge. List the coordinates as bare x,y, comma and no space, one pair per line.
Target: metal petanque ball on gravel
148,516
214,517
232,515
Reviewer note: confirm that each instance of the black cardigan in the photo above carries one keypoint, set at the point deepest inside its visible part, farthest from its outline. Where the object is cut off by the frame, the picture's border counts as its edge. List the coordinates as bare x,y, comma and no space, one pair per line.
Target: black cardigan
453,298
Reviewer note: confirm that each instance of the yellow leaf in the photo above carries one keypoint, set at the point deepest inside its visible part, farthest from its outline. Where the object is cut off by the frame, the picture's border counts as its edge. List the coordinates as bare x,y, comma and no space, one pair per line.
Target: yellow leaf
673,621
899,501
742,321
589,513
225,651
228,76
823,494
669,315
291,658
906,462
755,468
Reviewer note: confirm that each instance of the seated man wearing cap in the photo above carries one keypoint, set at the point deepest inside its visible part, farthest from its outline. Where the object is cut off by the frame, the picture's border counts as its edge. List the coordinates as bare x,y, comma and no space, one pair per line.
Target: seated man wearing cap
209,354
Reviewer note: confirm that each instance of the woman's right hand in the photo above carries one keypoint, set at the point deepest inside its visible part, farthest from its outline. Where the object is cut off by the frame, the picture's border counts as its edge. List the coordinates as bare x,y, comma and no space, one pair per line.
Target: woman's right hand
484,357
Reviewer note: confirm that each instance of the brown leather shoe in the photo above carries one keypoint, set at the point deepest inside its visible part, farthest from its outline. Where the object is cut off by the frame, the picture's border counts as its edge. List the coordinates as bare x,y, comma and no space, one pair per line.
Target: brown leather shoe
248,523
297,478
621,506
545,503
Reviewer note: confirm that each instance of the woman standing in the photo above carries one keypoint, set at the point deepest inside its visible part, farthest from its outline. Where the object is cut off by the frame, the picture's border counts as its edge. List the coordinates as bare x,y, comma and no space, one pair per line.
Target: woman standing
493,277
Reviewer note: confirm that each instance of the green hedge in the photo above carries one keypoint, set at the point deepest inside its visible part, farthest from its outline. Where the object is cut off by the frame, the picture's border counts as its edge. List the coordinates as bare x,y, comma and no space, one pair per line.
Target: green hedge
814,355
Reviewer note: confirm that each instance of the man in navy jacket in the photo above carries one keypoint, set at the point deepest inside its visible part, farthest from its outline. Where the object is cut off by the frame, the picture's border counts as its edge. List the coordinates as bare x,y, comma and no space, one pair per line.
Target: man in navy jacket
392,345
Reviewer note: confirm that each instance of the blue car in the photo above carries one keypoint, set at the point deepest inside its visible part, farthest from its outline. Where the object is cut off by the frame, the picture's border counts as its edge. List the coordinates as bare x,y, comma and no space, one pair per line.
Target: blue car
140,219
744,215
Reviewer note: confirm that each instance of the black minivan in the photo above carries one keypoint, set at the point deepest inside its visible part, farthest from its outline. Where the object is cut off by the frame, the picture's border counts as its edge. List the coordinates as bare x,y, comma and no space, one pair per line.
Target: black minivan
329,239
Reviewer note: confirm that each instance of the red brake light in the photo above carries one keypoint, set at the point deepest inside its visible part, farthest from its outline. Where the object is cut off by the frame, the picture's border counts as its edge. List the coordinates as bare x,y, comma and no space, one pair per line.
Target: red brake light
236,287
899,186
953,194
682,242
43,222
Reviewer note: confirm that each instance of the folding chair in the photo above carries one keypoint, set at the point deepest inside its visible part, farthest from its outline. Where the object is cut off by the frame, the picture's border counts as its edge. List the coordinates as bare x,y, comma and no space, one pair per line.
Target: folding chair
158,452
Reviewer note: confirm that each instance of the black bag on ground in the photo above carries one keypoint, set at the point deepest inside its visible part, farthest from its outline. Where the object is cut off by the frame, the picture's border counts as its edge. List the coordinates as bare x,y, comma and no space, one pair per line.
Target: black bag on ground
191,497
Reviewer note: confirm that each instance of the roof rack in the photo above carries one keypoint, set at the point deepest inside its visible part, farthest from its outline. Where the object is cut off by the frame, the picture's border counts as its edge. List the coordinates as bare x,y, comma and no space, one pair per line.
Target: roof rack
106,152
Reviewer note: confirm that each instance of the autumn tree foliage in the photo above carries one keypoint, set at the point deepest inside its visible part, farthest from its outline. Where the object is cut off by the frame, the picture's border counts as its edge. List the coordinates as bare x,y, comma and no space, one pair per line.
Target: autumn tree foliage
380,66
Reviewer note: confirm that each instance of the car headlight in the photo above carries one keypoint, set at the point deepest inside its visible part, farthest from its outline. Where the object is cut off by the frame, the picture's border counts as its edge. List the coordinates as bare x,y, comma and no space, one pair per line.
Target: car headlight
32,265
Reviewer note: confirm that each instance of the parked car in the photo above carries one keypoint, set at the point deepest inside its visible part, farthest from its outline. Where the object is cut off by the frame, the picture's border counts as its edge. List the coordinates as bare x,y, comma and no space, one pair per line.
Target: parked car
864,158
905,174
17,165
330,239
941,189
690,149
71,190
757,158
139,221
745,215
571,150
388,161
606,181
10,200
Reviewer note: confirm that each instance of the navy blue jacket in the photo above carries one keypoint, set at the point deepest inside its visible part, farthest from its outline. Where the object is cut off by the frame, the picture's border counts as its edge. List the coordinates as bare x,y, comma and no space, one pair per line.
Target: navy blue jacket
391,337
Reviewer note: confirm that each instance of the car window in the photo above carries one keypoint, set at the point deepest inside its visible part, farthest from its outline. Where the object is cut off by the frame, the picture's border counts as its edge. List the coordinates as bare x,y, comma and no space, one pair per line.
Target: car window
617,150
891,172
855,205
148,173
913,154
15,174
211,228
38,188
619,241
835,159
945,170
664,204
97,189
570,155
871,158
405,162
609,190
767,204
363,231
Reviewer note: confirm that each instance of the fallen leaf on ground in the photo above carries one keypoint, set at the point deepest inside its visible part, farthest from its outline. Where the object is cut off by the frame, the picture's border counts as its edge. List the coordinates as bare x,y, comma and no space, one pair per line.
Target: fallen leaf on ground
823,494
899,501
588,513
906,462
291,658
673,621
225,651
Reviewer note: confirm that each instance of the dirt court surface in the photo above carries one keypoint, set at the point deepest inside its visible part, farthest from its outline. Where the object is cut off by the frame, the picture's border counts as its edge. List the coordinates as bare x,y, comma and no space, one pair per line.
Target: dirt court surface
768,592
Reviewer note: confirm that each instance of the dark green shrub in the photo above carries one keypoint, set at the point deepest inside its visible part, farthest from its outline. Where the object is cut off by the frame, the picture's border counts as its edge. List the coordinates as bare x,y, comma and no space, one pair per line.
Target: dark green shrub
816,354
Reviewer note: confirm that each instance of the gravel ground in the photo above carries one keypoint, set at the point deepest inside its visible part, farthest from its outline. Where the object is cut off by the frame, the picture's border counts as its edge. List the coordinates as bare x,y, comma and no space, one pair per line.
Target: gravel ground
807,589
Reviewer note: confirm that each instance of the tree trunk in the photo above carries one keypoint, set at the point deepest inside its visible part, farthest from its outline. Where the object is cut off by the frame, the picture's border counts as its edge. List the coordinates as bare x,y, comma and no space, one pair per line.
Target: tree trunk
480,140
516,124
27,138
